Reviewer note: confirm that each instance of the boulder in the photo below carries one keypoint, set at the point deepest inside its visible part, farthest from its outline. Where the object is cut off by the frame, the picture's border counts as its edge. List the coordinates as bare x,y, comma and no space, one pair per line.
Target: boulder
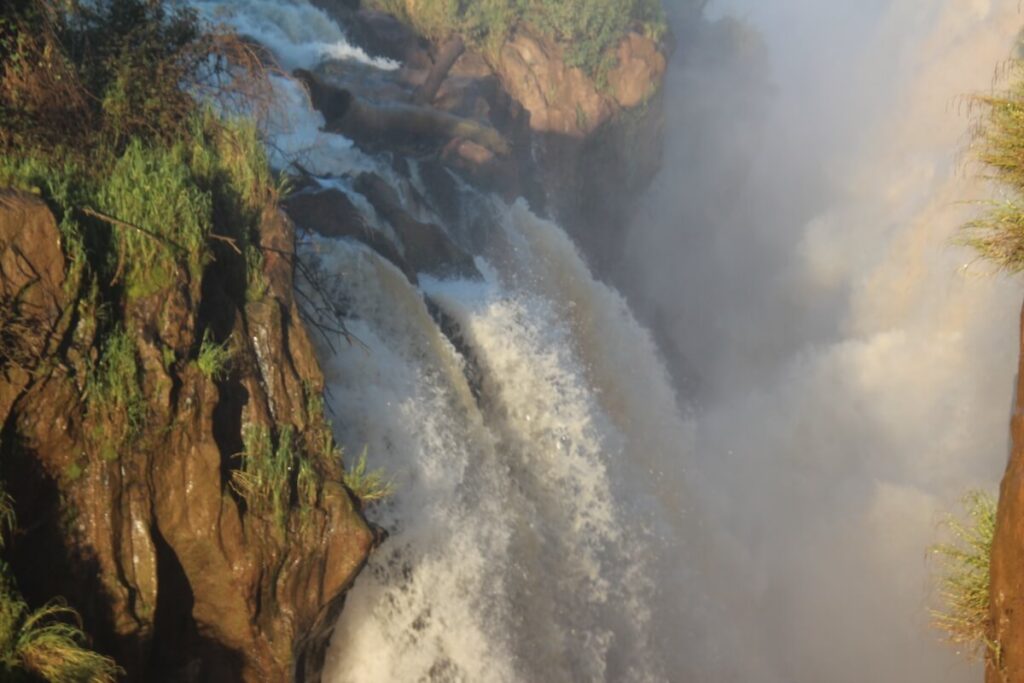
427,247
560,99
639,72
330,212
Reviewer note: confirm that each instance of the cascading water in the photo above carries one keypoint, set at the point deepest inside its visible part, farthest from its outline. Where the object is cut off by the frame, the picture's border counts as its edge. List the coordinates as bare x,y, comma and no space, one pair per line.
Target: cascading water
522,536
557,518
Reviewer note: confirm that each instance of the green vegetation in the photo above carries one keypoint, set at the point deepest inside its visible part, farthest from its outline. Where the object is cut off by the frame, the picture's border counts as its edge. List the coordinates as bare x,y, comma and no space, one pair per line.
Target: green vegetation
46,644
588,30
275,477
114,398
964,575
368,486
164,215
98,116
43,644
998,235
271,473
214,358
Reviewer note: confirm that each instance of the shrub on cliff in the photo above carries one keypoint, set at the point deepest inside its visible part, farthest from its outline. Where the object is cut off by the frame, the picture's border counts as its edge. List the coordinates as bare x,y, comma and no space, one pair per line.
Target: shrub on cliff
102,112
964,574
588,30
46,643
998,235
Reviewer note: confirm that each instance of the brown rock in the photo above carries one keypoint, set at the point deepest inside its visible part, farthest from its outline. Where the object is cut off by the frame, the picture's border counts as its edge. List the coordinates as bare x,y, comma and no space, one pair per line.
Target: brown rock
171,571
560,99
639,71
32,296
426,247
1006,663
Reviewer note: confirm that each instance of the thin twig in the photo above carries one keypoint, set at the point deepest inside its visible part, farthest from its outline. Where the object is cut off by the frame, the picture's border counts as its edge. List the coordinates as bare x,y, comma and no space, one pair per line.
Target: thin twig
227,240
117,221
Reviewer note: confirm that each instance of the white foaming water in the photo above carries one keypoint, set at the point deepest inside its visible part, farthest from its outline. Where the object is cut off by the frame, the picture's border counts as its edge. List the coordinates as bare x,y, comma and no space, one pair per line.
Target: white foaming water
855,365
299,34
531,558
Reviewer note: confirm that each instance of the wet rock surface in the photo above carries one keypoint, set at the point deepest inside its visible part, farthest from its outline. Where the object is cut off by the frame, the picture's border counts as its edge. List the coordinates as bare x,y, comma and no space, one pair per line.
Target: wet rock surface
173,572
427,248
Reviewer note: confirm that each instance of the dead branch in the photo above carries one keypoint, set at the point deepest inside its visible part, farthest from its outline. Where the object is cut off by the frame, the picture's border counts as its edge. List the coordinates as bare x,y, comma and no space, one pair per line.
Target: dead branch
450,52
124,224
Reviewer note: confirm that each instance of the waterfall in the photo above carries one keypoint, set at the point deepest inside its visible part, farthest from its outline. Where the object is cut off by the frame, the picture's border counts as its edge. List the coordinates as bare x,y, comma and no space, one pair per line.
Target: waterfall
559,515
534,503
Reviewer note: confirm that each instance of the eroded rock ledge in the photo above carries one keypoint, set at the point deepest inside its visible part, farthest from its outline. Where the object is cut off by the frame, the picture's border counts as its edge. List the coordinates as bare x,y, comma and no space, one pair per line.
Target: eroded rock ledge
173,572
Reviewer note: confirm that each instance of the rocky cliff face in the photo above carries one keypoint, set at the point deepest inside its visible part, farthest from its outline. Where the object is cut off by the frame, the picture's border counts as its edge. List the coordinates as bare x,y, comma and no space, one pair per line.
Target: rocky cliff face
580,150
143,526
1004,660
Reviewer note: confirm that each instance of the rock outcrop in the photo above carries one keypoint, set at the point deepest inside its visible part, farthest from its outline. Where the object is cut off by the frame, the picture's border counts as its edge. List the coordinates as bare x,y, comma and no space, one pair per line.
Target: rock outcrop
135,510
579,150
563,99
1004,660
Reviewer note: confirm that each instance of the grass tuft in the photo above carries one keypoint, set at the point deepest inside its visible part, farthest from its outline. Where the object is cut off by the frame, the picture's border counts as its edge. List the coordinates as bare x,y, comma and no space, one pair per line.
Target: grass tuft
273,475
47,644
369,486
963,578
115,400
214,359
998,235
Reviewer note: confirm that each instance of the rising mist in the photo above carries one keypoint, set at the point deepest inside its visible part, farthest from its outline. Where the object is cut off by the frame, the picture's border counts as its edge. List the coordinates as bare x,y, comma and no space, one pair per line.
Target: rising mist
848,367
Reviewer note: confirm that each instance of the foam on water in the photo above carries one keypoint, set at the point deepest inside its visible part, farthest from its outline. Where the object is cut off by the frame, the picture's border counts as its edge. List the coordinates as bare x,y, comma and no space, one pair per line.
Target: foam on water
299,34
564,589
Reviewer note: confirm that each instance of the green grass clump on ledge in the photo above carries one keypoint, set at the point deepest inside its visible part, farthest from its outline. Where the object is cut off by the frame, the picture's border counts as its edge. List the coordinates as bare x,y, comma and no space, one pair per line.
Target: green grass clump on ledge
369,486
998,234
44,644
963,578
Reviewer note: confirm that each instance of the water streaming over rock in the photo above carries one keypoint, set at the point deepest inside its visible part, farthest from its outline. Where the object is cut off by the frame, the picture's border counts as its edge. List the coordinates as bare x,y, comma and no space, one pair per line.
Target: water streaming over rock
557,518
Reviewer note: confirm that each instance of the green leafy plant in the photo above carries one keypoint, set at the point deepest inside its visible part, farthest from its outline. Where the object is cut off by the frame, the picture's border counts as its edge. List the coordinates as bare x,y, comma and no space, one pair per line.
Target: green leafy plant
114,399
963,579
369,486
214,358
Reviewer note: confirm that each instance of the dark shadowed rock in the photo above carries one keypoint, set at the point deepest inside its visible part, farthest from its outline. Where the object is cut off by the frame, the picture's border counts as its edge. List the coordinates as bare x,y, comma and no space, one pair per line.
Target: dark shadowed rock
329,212
428,249
32,296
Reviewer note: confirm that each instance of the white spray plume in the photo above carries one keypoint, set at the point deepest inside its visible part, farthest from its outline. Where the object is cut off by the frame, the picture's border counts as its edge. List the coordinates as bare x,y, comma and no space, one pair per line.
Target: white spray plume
854,367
